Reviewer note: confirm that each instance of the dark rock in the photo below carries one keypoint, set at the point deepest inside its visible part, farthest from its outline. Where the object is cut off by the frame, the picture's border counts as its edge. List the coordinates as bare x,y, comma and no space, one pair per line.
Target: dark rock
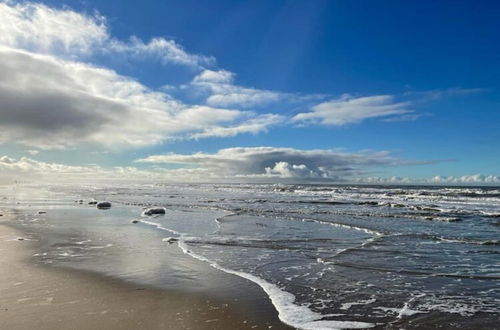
103,205
170,240
154,210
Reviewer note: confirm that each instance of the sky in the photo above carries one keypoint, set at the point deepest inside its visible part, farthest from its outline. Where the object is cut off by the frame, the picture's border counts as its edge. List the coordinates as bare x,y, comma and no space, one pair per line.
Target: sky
250,91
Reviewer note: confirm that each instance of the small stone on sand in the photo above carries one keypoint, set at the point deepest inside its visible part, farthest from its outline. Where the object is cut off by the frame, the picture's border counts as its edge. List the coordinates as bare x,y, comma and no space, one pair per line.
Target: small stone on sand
170,240
154,210
103,205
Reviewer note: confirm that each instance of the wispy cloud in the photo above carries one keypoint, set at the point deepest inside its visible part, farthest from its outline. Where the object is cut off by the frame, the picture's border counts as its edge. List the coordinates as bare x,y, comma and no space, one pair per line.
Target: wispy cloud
254,125
352,110
436,94
166,51
218,88
349,109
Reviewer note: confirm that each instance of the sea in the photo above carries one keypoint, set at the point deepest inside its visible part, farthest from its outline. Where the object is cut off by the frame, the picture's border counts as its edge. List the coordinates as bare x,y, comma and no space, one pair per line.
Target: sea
327,256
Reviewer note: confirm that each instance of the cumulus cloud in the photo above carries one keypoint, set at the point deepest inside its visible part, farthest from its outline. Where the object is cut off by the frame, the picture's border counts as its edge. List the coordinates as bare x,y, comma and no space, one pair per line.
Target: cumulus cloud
47,102
352,110
27,169
475,179
51,98
267,162
286,170
64,32
28,165
466,179
38,28
218,77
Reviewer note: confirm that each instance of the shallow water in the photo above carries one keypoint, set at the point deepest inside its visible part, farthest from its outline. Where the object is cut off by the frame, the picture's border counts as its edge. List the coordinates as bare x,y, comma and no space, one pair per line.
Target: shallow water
328,256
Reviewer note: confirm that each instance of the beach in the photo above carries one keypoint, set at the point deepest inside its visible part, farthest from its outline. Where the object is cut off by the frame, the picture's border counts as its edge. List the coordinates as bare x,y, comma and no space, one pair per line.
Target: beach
36,296
249,257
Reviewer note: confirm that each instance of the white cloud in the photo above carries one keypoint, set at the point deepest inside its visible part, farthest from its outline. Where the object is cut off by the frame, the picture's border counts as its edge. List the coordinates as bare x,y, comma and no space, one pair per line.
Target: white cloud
48,103
234,164
167,51
351,110
466,179
407,117
50,98
226,96
383,180
437,94
286,170
210,76
38,28
27,165
66,33
269,162
475,179
220,91
26,169
255,125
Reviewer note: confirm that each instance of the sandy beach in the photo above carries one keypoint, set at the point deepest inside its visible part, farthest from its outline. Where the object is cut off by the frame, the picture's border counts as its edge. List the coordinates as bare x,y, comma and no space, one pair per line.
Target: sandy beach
36,296
66,264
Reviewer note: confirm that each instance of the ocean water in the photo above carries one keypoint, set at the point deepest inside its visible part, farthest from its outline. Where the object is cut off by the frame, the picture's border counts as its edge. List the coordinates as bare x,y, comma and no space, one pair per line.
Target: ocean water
328,256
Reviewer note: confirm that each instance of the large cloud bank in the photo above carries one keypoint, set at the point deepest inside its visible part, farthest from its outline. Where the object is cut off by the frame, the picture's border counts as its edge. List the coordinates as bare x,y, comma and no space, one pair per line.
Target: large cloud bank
52,97
261,164
270,162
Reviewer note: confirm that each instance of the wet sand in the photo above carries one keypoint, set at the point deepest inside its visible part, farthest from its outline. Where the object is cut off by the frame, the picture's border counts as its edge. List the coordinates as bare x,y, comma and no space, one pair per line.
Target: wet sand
35,296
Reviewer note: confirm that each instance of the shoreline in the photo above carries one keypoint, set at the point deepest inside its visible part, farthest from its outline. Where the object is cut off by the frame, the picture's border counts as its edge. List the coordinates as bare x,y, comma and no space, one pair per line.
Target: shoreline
38,296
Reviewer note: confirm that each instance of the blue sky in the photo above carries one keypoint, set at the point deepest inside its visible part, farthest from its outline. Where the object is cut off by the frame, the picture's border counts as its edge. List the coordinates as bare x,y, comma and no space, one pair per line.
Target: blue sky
411,88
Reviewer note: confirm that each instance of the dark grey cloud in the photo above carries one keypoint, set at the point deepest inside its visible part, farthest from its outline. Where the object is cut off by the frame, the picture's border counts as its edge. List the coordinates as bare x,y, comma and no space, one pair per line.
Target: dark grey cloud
271,162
